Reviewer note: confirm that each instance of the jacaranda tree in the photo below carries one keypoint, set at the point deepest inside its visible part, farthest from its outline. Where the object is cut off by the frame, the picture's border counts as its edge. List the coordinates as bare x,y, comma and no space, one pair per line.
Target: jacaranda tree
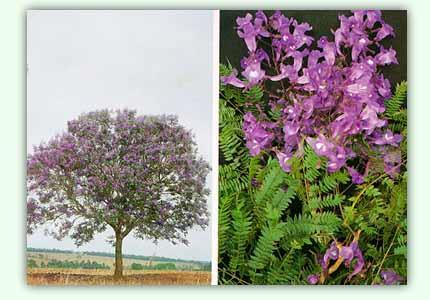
135,174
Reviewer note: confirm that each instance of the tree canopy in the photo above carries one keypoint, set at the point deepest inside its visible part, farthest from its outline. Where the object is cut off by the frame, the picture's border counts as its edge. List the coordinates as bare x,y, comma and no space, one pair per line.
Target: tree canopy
139,174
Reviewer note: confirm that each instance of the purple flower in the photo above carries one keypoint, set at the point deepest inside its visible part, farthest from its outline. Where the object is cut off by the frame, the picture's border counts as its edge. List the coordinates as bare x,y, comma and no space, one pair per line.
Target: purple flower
384,31
313,279
278,20
291,71
359,264
346,124
261,17
362,72
257,138
390,277
283,159
321,145
314,55
359,45
345,254
329,50
287,42
332,253
233,80
373,16
370,120
254,58
299,34
286,72
388,138
392,162
386,57
308,107
293,112
337,159
252,70
249,31
338,40
383,86
254,74
348,253
356,177
246,31
254,182
290,132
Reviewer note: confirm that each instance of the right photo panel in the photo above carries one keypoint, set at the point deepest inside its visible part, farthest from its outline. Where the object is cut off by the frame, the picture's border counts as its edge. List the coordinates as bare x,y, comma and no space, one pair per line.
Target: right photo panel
313,148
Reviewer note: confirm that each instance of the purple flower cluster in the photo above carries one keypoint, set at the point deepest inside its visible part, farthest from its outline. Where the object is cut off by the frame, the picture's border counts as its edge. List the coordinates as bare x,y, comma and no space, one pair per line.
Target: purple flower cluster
257,136
340,254
332,92
389,277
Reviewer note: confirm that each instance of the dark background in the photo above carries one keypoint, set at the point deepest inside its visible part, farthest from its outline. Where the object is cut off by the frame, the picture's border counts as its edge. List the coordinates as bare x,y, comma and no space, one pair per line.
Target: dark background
232,48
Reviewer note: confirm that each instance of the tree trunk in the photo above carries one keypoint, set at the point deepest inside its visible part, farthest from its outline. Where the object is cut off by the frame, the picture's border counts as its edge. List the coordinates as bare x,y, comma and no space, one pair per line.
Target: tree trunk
118,255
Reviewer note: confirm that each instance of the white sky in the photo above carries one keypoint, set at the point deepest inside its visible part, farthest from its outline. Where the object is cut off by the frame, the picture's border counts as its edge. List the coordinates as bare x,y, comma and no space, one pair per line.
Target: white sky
153,61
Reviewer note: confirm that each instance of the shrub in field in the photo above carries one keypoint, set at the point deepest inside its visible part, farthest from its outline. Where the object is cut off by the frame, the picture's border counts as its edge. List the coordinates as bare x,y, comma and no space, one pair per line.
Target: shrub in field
135,174
136,266
313,181
68,264
31,263
164,266
158,266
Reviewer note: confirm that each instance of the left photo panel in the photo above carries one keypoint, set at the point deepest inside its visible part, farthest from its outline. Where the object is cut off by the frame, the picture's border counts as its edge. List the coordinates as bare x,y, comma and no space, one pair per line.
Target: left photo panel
119,147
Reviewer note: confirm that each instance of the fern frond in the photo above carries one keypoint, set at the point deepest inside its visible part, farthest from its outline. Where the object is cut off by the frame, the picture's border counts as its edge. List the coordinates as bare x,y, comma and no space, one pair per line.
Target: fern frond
231,180
326,222
326,202
265,246
254,94
241,225
273,179
282,198
312,164
231,134
224,220
393,105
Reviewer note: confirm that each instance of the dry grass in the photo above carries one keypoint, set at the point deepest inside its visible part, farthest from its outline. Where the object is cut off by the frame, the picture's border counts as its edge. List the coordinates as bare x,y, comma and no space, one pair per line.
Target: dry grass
104,277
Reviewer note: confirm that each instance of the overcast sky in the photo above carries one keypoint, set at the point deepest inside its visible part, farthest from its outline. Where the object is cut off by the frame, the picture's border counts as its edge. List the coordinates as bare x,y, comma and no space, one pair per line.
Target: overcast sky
153,61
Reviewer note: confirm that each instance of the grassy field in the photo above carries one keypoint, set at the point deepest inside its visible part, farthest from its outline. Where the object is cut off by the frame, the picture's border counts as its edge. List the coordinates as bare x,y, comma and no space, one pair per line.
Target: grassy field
40,257
68,276
50,276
